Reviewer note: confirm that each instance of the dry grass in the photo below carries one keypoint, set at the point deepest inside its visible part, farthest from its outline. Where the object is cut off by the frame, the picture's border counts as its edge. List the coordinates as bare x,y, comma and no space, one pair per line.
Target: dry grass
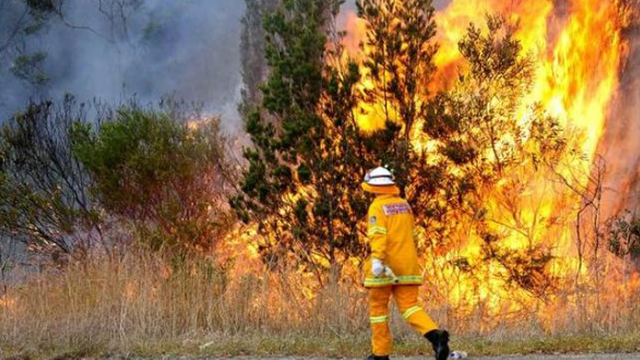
141,306
140,301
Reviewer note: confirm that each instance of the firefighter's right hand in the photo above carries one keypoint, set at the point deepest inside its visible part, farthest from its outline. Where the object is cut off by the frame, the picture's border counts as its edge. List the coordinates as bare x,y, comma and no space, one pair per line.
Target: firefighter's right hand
376,267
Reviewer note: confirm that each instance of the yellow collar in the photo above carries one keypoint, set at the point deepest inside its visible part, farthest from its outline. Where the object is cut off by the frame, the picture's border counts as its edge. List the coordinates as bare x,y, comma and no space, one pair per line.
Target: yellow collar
384,197
381,190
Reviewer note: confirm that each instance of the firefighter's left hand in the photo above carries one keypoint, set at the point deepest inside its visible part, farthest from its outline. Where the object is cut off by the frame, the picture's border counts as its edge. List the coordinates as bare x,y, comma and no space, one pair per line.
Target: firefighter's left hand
376,267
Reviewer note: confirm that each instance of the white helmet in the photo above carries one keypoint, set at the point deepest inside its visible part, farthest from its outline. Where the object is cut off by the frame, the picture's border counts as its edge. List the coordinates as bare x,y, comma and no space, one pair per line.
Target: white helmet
379,177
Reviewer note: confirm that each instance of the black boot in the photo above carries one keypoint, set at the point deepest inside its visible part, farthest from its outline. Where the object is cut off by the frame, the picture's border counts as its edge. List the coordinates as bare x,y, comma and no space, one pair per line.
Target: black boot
373,357
440,341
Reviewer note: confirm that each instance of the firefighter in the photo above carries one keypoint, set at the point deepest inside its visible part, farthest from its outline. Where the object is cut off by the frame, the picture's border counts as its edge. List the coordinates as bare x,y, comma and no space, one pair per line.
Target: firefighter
393,268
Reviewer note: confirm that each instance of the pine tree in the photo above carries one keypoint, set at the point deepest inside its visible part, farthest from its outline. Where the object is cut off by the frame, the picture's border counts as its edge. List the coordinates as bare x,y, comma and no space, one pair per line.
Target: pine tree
398,63
302,185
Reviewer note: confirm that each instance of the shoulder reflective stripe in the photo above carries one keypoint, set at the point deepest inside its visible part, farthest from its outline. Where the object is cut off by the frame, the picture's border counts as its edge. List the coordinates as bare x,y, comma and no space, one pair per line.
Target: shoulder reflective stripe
410,311
376,230
378,319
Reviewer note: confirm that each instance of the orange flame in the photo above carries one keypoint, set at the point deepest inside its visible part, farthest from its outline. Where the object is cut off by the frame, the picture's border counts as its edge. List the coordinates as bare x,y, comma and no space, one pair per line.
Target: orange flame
577,49
7,302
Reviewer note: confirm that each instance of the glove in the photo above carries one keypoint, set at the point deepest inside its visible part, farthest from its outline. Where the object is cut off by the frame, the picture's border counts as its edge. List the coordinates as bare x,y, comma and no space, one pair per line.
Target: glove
389,273
376,267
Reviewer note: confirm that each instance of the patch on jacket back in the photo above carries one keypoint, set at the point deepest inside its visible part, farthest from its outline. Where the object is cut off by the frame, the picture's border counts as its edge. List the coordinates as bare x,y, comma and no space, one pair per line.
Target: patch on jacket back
394,209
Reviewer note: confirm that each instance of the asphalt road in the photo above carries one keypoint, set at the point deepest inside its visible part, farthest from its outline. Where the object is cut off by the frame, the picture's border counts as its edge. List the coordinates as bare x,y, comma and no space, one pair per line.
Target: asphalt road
563,357
510,357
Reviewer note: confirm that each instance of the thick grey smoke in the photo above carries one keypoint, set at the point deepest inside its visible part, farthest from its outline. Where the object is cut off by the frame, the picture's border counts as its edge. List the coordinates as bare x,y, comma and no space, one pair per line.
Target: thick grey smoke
621,142
182,48
188,49
441,4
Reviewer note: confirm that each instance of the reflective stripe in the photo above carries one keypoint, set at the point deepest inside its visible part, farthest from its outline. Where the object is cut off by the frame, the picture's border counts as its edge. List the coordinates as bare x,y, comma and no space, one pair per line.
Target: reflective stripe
400,280
410,311
396,209
378,319
378,281
376,230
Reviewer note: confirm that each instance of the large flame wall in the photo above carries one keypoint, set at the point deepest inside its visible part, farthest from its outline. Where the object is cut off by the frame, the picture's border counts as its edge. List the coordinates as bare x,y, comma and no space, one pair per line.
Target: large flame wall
587,75
581,50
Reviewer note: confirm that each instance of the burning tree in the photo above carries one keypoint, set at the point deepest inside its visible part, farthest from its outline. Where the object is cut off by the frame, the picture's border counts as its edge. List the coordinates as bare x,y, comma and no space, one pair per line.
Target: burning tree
493,167
487,147
465,144
398,68
302,183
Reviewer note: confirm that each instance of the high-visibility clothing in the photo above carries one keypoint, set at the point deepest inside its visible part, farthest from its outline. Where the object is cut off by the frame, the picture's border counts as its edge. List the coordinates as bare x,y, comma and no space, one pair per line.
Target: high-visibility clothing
390,233
406,297
381,190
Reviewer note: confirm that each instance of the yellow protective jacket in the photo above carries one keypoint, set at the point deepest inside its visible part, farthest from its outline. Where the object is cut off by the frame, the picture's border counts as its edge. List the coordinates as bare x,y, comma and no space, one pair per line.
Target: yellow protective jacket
390,233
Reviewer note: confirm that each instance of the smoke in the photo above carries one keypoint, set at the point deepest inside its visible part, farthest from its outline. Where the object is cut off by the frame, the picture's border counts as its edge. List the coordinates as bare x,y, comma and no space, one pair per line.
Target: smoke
620,146
440,4
187,49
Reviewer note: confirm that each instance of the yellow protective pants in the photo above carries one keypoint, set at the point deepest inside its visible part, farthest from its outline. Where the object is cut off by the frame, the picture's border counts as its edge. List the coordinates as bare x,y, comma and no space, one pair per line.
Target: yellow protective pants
406,297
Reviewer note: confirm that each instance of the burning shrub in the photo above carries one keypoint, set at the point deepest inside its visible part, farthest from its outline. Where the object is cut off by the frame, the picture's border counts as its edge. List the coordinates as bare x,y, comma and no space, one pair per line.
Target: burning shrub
624,236
302,182
481,141
44,199
67,185
163,174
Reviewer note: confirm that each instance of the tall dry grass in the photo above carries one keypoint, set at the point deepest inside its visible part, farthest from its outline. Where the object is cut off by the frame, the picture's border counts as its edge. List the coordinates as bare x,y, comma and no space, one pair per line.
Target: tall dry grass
121,305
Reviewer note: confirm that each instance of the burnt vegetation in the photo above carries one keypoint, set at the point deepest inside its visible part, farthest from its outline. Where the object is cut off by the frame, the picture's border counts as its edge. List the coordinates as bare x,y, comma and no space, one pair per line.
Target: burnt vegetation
76,176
